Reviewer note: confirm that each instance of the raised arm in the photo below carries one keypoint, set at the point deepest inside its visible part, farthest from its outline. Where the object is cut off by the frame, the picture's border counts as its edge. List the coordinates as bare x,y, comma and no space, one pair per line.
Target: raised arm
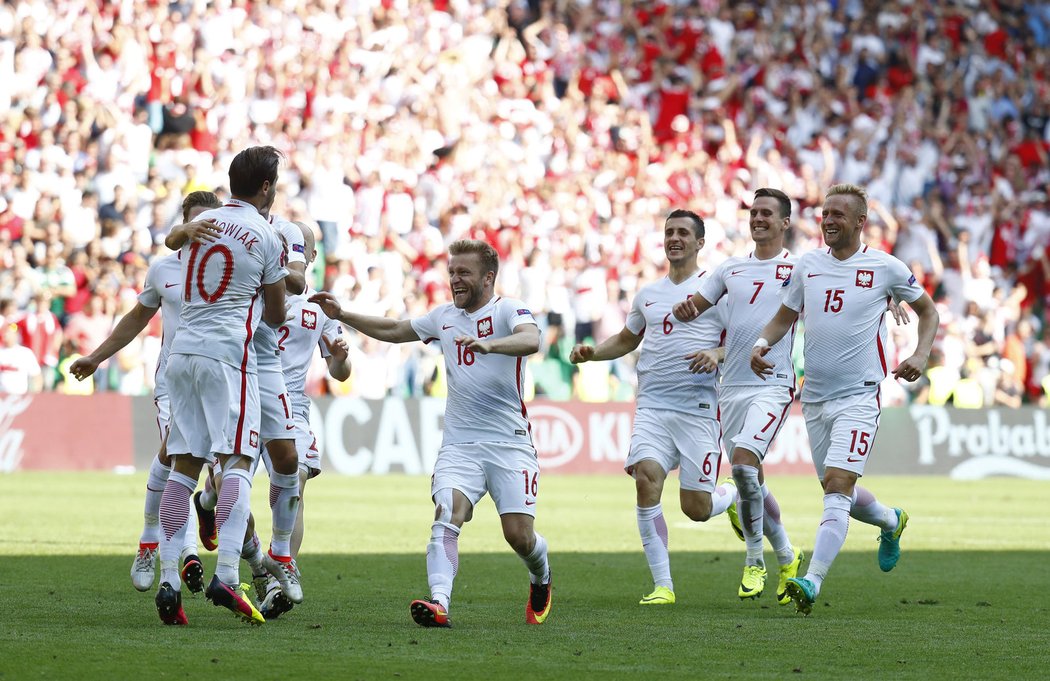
380,328
610,348
776,329
524,341
129,326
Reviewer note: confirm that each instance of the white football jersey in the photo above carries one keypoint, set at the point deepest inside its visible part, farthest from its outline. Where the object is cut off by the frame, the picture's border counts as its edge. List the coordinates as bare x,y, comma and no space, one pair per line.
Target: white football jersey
269,355
221,286
486,402
297,339
750,289
163,289
664,379
843,304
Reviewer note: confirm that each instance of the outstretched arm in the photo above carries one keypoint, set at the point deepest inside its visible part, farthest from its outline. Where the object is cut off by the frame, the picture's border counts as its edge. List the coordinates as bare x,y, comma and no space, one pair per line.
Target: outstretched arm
129,326
610,348
380,328
694,306
524,341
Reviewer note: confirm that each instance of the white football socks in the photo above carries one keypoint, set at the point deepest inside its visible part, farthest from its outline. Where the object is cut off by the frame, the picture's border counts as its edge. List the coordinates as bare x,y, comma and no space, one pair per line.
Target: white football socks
653,529
750,509
831,535
442,561
231,519
155,482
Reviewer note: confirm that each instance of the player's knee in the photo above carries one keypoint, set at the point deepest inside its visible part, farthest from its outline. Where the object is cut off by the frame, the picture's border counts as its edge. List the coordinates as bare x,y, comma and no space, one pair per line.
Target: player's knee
697,510
520,538
746,479
443,505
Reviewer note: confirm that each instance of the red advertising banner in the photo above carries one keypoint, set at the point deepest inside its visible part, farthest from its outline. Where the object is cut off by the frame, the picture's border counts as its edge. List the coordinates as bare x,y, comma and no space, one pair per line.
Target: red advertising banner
48,431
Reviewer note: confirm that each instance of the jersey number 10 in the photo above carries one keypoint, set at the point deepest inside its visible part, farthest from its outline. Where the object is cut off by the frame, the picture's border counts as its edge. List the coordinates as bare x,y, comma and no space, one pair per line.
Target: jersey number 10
195,272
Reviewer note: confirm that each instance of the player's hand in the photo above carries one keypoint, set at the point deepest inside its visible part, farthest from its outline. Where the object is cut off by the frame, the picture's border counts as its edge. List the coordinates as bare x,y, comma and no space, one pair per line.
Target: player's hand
83,367
703,361
581,353
759,365
910,369
328,303
337,348
899,312
471,343
685,312
202,231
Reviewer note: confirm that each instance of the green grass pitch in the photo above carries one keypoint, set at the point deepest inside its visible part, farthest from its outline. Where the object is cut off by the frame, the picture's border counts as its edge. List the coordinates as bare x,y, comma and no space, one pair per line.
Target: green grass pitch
970,598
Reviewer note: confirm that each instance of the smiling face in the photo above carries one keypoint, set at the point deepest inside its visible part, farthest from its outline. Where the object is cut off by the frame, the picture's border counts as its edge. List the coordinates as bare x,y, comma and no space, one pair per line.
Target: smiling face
680,241
470,286
765,222
842,220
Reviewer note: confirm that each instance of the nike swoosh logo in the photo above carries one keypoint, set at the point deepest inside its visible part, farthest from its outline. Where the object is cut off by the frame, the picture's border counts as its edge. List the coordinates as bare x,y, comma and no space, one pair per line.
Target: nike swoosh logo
810,276
829,520
446,327
735,272
291,427
530,503
759,439
169,285
652,303
705,479
852,460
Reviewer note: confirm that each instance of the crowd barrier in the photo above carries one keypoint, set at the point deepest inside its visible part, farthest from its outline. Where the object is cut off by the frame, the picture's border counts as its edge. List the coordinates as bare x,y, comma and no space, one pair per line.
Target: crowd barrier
114,432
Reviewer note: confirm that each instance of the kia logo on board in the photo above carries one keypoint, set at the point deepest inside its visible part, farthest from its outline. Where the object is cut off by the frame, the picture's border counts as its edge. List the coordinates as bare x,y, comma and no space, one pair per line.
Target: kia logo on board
556,434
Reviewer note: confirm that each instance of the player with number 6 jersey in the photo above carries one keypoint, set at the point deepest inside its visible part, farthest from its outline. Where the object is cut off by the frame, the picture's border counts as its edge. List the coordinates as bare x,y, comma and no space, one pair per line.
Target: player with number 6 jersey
675,423
228,285
487,444
842,292
752,410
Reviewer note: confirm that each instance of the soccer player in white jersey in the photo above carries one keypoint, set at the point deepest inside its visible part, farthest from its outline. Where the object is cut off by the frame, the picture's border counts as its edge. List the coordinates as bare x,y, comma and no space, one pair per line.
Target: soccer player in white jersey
676,417
162,290
306,329
212,376
277,433
487,442
752,410
842,292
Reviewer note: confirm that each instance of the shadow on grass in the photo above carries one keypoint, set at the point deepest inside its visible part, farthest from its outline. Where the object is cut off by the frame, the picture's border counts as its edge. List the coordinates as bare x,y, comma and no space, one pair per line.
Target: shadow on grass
938,615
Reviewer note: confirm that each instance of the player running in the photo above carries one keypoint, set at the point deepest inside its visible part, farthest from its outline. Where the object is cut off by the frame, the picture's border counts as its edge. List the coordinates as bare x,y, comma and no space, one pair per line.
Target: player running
306,329
487,443
842,292
163,291
752,410
212,375
675,421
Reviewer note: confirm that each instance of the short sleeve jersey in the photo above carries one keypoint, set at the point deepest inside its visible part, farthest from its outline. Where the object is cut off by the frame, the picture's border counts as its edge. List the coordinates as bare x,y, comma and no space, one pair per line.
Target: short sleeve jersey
221,284
298,338
664,379
266,350
164,289
485,392
843,305
750,290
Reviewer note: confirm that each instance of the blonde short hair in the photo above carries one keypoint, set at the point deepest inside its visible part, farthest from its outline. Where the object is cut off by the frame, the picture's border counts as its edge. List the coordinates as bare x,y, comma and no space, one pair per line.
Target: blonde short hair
850,190
486,253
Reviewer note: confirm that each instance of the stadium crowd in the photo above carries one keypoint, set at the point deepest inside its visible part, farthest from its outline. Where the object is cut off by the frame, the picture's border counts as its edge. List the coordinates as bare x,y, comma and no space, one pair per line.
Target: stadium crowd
562,132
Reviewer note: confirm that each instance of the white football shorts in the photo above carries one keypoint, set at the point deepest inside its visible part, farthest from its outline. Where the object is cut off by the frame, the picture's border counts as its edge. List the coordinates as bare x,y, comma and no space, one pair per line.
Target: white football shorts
214,408
508,471
163,404
676,439
276,420
842,431
751,416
